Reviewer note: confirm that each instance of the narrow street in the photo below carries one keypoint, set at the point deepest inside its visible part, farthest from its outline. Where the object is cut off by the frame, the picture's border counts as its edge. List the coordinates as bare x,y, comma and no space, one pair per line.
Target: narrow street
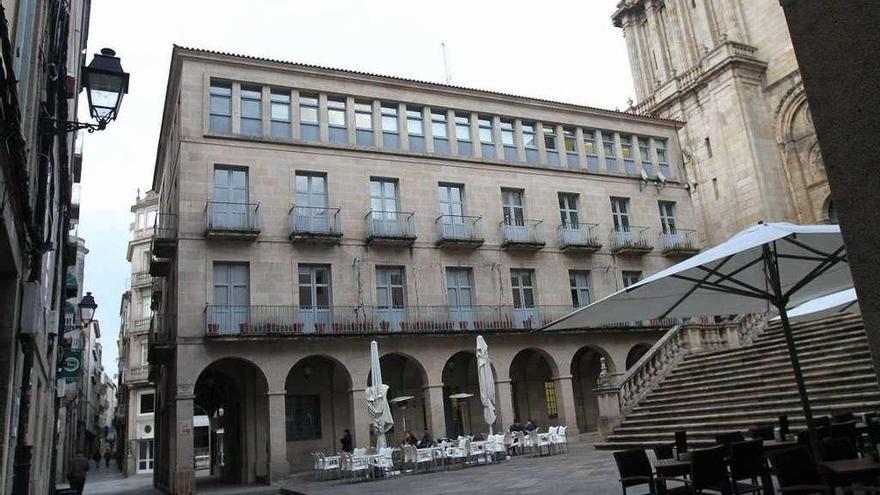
110,481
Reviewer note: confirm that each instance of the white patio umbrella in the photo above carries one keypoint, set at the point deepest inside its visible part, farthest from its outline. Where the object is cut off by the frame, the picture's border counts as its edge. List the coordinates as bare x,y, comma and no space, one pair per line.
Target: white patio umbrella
377,399
487,382
769,265
844,301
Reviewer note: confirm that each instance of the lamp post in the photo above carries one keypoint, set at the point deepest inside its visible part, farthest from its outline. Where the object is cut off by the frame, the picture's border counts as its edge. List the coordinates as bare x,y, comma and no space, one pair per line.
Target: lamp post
87,307
105,83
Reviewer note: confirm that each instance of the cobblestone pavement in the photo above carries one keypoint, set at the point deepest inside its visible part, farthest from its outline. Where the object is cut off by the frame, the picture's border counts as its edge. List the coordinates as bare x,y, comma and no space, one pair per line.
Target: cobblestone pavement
582,470
110,481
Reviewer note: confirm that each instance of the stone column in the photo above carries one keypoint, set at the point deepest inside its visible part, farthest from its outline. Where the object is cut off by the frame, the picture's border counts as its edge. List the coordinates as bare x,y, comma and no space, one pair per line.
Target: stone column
434,406
183,474
294,114
323,126
504,403
565,401
360,418
278,464
350,126
609,409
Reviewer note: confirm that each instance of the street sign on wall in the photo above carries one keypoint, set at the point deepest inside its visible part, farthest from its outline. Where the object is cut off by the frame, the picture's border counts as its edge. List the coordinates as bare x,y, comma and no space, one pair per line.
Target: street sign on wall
71,363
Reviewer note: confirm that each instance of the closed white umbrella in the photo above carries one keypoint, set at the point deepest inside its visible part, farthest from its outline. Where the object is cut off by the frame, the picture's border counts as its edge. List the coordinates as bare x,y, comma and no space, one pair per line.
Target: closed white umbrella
377,399
487,382
844,301
769,265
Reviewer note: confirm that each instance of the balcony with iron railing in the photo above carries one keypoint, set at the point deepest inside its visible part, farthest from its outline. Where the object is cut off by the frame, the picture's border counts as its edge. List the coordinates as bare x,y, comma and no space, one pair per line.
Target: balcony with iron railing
679,242
164,243
237,321
159,343
138,374
141,279
459,231
390,228
314,224
579,237
229,220
523,235
631,240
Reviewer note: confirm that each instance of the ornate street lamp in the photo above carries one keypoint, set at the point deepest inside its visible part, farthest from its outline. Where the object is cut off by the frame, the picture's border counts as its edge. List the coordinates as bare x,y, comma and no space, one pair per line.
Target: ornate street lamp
105,83
87,309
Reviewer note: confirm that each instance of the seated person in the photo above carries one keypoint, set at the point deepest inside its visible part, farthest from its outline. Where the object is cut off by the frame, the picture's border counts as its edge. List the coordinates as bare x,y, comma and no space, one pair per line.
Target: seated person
531,425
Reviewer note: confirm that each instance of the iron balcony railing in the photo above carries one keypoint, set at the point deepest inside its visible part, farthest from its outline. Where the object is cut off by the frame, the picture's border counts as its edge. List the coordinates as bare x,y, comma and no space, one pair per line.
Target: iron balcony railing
679,240
139,279
582,235
136,374
165,227
224,216
458,228
391,224
315,220
522,232
224,320
630,238
140,326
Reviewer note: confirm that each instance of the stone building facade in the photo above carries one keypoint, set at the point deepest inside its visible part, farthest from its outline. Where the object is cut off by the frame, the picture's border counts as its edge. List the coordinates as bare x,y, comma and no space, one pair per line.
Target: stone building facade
305,211
727,68
136,394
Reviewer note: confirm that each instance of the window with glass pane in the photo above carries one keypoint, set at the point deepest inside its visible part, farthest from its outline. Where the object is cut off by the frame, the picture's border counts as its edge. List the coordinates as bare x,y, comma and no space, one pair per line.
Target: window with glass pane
308,117
221,107
610,148
550,399
336,120
146,299
147,403
279,100
590,150
383,197
579,284
231,297
415,128
251,111
390,126
508,140
487,139
310,211
662,157
667,216
363,122
568,210
463,134
523,289
459,288
512,204
645,155
551,144
390,287
440,131
626,150
570,143
314,286
631,278
620,214
531,146
451,200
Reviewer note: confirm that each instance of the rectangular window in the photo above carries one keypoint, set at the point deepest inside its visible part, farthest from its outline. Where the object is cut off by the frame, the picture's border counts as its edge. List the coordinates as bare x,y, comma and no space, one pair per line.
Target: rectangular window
667,216
415,128
590,150
487,138
459,288
550,399
221,107
579,284
314,291
610,148
531,146
551,144
280,112
440,132
142,347
251,111
231,308
570,142
451,200
303,417
626,150
630,278
523,288
383,196
662,157
568,210
645,156
390,283
620,214
310,207
230,208
508,140
390,126
363,122
308,117
146,300
336,121
147,403
463,134
512,207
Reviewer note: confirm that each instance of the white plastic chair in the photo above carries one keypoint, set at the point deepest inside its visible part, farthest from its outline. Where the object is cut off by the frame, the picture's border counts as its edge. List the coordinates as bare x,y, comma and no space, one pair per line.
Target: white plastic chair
560,439
424,457
538,444
461,452
382,462
353,466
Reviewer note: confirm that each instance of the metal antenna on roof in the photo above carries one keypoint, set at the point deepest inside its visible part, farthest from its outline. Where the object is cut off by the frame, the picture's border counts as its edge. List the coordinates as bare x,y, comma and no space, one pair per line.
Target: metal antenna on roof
445,63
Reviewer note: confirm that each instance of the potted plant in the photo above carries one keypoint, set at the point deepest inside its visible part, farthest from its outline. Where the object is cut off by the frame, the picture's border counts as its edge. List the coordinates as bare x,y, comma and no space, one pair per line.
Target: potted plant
213,328
319,327
243,328
384,325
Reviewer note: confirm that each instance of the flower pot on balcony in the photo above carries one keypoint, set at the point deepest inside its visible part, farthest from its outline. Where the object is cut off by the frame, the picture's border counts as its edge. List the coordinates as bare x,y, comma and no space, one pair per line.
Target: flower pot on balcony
319,327
463,325
297,326
404,325
213,328
243,328
384,325
527,323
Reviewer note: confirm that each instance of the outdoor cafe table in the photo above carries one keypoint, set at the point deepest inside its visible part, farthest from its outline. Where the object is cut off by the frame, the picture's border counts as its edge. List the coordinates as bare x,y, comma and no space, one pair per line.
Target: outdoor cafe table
852,467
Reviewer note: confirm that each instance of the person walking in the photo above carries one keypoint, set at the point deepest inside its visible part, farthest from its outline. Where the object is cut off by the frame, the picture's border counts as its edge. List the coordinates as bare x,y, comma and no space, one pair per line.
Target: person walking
107,457
346,441
97,459
76,474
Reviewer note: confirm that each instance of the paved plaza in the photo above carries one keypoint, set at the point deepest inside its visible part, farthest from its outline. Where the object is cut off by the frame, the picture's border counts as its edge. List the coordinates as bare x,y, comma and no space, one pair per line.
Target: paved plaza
582,470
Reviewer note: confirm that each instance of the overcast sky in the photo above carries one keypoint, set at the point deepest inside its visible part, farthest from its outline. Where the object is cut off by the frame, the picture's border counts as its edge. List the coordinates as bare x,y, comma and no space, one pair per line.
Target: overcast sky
559,50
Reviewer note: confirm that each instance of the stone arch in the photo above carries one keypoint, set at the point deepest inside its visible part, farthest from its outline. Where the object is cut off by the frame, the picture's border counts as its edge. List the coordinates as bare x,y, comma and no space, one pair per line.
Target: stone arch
460,376
405,376
586,367
636,353
829,211
533,374
233,392
317,398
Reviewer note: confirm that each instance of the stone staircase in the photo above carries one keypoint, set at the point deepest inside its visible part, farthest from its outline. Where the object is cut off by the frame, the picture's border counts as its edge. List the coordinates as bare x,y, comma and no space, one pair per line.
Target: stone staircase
734,388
